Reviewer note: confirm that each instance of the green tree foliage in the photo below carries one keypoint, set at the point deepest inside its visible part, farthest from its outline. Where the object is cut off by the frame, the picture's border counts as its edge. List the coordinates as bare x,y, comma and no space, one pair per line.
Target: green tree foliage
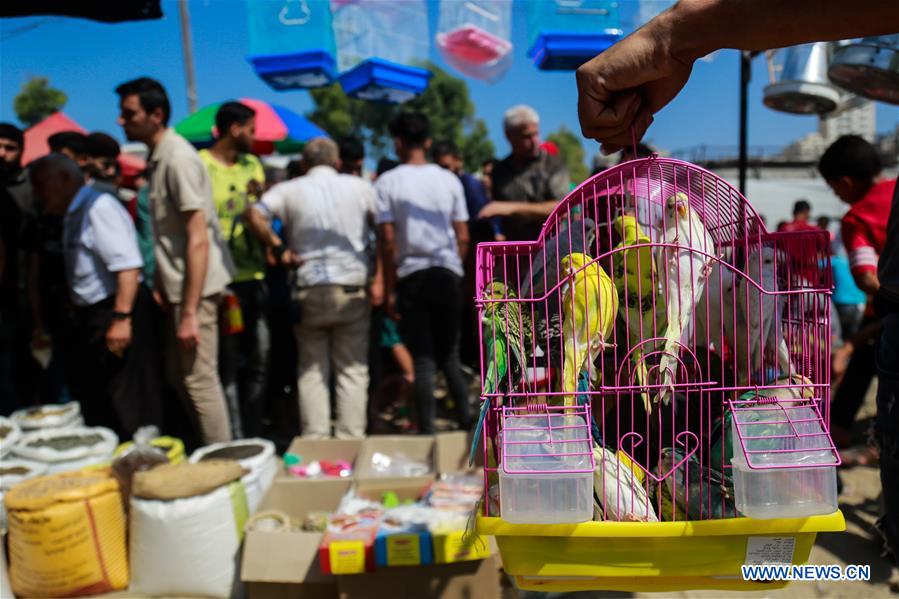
476,146
571,151
37,100
446,103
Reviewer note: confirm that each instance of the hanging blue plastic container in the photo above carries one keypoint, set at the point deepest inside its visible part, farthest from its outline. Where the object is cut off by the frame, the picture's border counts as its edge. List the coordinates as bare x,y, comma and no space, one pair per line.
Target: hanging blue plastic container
292,43
564,34
378,44
380,80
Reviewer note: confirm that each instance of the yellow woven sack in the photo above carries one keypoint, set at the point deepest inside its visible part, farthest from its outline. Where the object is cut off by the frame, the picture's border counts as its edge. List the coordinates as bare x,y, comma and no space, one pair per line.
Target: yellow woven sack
67,535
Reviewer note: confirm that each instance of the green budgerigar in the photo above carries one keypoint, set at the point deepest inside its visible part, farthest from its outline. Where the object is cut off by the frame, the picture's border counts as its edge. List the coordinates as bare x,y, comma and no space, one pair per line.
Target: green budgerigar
589,305
508,341
641,304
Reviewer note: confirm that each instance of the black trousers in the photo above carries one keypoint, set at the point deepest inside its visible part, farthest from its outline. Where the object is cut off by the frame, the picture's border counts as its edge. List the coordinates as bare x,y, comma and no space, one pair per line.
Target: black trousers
430,307
850,395
243,361
120,392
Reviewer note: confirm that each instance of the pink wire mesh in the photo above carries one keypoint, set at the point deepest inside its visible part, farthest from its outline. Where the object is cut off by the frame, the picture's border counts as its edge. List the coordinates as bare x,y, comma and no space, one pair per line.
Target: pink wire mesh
760,326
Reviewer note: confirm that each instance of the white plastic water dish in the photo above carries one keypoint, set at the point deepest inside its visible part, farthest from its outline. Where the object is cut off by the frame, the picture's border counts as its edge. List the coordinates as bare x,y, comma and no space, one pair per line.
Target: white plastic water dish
538,487
783,484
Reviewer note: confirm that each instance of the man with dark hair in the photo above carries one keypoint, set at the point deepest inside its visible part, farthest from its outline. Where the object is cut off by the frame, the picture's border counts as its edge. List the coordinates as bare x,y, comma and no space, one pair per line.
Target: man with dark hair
446,154
423,239
529,182
193,264
237,178
326,216
352,155
802,213
103,158
102,267
852,169
72,144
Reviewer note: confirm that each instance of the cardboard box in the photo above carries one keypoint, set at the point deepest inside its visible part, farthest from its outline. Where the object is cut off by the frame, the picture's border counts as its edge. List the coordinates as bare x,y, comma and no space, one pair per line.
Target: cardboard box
399,547
452,450
419,448
351,552
463,580
311,450
287,563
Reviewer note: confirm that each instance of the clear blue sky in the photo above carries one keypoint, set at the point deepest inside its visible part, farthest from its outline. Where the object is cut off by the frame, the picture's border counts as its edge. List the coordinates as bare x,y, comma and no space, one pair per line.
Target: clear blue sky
87,59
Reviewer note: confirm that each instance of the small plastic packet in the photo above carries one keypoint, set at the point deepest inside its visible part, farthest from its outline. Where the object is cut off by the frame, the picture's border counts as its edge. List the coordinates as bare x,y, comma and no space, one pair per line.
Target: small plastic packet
140,456
397,464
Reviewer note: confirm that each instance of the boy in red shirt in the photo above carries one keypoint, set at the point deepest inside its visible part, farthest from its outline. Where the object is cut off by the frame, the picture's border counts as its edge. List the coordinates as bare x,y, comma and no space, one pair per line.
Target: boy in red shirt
853,171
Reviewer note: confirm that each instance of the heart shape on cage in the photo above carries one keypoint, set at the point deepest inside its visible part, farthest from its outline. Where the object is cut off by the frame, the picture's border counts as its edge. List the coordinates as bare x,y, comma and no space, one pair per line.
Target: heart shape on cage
679,439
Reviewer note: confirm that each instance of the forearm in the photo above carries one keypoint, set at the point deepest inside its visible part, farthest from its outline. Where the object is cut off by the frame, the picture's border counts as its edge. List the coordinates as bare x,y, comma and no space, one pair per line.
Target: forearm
460,229
698,27
387,251
261,227
127,282
868,282
196,262
462,248
535,210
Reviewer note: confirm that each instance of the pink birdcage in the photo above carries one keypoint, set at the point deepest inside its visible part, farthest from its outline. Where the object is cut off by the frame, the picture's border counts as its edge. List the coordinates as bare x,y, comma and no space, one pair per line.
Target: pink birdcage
656,314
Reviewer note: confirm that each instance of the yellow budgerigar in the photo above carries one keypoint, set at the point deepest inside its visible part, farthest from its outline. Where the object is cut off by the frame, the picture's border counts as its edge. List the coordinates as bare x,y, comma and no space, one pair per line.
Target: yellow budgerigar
589,305
641,304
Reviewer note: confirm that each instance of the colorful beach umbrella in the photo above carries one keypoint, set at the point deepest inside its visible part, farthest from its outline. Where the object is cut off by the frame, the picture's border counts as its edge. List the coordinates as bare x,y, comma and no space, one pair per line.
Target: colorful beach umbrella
277,128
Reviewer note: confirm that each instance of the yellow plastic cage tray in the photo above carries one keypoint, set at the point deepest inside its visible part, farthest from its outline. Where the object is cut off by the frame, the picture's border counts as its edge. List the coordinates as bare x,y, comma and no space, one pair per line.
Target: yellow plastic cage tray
639,556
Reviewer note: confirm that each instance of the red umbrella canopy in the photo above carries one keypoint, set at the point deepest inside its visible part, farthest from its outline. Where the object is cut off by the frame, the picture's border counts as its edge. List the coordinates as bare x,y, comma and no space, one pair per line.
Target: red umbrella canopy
36,135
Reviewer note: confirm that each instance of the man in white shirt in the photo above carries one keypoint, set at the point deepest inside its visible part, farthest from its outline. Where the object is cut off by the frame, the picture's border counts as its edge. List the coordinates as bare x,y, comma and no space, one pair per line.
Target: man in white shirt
327,217
423,222
102,264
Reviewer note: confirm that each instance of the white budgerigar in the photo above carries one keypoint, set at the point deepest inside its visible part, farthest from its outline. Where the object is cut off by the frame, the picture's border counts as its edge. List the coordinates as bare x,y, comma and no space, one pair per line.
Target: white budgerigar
619,489
684,270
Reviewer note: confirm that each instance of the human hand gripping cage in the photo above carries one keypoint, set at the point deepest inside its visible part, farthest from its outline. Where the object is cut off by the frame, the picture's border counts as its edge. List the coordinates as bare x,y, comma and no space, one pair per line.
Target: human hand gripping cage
654,346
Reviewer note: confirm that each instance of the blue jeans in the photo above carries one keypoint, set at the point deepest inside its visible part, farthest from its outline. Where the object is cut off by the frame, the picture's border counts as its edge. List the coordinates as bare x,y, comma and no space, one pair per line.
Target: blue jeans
886,427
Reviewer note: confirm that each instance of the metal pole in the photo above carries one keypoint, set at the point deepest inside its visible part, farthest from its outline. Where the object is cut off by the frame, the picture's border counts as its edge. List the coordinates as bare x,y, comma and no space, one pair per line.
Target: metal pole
187,49
745,75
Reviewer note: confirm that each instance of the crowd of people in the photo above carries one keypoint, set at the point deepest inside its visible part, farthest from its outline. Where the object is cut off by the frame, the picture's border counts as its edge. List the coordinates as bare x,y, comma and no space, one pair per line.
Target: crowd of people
217,288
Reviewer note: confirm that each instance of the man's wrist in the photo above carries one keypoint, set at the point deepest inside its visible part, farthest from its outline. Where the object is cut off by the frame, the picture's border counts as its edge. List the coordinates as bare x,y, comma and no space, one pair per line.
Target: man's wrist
119,315
688,31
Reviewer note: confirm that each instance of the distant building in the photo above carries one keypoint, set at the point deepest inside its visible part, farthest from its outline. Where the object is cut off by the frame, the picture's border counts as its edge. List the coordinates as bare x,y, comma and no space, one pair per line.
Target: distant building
859,120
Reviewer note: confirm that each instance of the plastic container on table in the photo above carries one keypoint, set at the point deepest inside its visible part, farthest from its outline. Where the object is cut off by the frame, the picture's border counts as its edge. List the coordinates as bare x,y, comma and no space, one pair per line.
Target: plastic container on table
547,472
785,466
